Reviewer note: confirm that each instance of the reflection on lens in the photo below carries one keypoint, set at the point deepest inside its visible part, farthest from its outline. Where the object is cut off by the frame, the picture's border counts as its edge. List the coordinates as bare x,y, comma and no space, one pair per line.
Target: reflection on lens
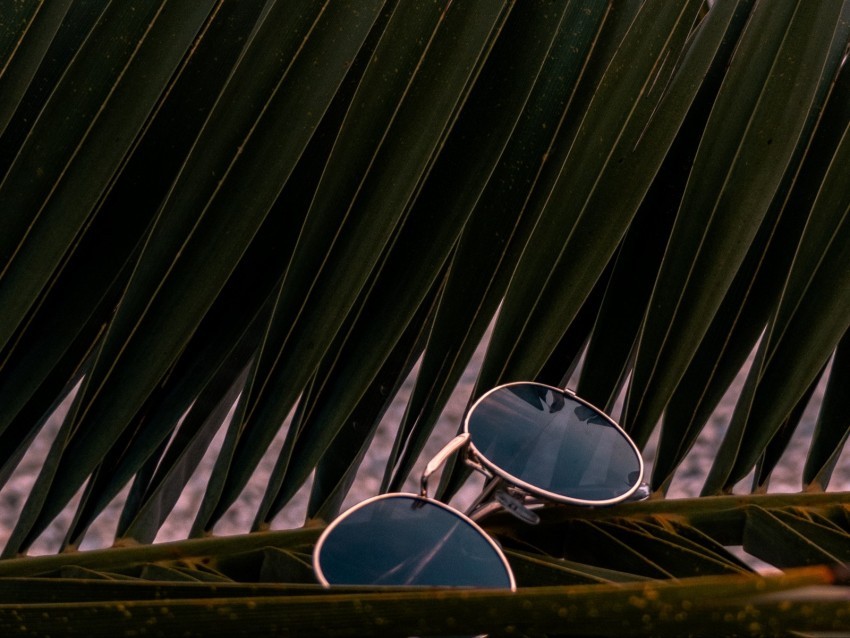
402,539
545,438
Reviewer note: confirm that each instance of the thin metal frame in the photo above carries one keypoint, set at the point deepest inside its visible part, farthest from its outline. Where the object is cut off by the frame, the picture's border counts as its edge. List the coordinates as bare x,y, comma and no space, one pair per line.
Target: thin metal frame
498,479
476,457
317,551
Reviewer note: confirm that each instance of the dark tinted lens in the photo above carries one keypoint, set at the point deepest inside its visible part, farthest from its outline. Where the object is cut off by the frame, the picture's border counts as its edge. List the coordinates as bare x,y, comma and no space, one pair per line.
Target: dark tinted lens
544,437
404,540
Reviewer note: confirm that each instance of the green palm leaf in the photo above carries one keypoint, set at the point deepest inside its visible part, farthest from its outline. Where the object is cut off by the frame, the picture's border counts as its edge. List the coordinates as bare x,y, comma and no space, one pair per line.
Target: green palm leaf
233,226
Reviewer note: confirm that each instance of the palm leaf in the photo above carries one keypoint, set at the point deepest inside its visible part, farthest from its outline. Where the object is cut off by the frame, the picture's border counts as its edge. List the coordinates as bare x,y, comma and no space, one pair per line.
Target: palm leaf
262,220
726,195
697,529
495,233
324,276
37,23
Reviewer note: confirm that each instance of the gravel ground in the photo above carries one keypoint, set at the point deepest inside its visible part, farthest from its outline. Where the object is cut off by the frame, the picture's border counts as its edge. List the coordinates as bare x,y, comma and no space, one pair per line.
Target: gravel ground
687,483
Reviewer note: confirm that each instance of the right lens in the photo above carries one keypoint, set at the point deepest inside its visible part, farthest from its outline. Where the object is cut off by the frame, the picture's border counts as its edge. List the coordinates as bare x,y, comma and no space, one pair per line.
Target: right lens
402,539
550,442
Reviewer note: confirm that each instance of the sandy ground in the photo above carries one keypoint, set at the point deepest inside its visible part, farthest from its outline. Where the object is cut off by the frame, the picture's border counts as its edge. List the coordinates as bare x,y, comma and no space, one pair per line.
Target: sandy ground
238,520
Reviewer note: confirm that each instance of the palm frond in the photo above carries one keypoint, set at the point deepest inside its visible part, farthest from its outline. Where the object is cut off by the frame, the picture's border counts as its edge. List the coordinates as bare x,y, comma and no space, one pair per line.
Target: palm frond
228,226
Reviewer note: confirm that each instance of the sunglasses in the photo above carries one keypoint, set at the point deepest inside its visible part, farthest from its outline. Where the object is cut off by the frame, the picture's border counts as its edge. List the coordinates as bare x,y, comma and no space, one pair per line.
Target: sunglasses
535,444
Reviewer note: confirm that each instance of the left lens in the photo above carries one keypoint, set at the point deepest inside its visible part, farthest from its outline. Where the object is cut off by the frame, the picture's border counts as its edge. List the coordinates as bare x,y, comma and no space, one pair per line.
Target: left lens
402,539
552,443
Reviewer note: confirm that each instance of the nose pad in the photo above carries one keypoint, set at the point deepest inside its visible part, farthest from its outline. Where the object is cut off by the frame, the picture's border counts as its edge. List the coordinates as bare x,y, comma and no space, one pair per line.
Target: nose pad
641,493
515,507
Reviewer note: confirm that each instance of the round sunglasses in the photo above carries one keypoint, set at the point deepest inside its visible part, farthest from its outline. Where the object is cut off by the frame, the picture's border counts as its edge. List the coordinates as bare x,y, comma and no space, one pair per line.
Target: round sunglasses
535,443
